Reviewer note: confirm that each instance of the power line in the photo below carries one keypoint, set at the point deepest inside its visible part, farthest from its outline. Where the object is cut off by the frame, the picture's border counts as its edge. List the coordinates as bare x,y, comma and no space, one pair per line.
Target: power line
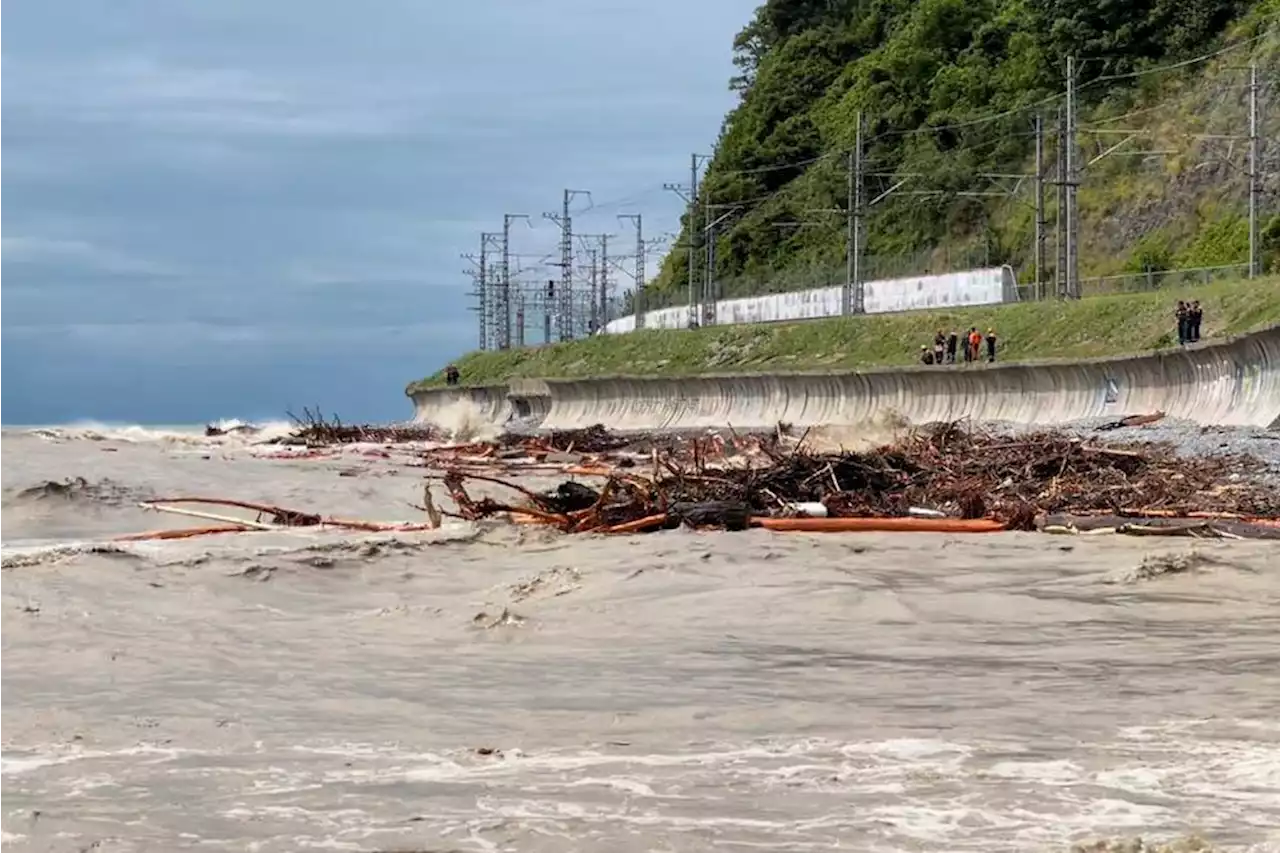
495,302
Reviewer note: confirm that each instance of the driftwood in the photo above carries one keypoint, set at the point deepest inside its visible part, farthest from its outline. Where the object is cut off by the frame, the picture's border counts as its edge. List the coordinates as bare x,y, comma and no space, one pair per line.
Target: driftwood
940,473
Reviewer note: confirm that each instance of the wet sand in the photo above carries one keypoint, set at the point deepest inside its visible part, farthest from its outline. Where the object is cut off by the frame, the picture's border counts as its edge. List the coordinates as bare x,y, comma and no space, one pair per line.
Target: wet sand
488,688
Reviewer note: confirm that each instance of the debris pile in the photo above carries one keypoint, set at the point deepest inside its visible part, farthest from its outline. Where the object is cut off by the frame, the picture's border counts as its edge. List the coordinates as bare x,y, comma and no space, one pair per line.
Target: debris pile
940,477
595,451
313,430
946,477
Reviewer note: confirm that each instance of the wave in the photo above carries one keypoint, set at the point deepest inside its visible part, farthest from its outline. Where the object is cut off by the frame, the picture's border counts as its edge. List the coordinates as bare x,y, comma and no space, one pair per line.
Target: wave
227,431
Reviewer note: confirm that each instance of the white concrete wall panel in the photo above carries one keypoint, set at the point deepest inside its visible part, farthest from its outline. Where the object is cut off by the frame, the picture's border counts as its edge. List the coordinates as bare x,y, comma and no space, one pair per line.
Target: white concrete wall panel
973,287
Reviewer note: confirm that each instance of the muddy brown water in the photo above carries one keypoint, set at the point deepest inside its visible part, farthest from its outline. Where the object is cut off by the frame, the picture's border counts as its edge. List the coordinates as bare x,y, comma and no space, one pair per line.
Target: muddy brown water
486,689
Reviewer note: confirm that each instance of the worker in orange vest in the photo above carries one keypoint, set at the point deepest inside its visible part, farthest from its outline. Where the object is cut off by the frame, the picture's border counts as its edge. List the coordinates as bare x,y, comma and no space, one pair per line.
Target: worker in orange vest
975,343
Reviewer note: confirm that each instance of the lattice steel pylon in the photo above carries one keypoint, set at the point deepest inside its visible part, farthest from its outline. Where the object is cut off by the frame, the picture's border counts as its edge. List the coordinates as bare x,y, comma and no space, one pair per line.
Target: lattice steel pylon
490,242
565,308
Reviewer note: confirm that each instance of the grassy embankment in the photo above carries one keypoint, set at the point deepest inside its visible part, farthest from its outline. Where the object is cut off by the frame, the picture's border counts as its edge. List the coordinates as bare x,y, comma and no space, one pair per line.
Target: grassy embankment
1108,325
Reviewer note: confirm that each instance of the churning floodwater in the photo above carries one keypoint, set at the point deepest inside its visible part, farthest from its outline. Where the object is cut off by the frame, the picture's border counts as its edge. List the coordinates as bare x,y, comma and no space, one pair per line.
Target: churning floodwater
484,688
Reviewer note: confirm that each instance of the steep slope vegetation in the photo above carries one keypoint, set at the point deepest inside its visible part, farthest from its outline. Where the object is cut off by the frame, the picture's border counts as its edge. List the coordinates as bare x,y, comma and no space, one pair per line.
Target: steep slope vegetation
929,75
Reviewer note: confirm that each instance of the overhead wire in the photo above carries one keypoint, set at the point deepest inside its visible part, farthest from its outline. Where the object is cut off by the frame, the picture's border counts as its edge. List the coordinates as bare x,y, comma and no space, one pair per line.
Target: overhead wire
960,125
976,121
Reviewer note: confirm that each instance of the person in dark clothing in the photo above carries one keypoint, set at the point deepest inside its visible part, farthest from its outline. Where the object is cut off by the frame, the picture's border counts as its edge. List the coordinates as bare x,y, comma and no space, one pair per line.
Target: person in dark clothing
968,347
991,345
1194,314
1184,321
451,375
939,347
953,340
926,357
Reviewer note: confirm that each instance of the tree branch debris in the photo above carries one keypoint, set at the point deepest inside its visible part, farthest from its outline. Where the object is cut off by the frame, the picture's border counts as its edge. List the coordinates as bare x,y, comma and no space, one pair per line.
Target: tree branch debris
942,477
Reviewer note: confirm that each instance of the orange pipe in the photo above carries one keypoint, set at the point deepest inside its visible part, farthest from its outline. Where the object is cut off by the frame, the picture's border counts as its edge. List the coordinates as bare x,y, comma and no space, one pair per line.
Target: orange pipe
903,525
183,533
526,518
634,526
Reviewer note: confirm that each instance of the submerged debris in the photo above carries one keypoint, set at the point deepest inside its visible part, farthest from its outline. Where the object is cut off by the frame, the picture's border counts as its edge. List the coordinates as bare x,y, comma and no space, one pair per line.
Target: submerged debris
314,430
1161,565
105,491
214,431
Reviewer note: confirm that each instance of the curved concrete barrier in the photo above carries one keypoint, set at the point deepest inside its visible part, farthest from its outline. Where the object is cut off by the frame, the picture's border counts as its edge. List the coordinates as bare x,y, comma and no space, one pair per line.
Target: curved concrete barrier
530,400
1233,382
450,407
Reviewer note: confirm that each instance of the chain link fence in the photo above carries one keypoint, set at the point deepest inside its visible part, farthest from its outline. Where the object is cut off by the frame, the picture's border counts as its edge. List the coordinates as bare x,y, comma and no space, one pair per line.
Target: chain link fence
1138,282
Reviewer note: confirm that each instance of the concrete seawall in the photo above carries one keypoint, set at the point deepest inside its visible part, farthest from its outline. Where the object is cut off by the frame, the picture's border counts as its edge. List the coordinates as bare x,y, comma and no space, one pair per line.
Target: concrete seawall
449,406
1232,382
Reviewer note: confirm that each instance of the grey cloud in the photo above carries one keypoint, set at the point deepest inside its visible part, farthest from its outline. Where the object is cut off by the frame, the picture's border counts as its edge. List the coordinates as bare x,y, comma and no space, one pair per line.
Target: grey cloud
292,183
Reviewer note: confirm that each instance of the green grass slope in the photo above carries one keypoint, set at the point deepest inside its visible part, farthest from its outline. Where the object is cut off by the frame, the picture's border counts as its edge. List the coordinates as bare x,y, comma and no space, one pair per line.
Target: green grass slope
1101,326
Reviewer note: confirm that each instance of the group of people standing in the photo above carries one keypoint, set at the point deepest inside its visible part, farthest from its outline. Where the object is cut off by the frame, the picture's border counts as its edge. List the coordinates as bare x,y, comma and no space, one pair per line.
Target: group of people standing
1189,315
946,346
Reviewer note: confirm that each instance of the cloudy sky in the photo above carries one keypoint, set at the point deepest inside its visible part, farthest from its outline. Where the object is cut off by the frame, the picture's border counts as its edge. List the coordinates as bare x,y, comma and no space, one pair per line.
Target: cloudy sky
232,208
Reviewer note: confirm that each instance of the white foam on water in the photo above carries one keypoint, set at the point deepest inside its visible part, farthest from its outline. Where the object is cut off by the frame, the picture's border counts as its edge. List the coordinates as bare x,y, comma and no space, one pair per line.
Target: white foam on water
466,422
1060,772
932,800
236,432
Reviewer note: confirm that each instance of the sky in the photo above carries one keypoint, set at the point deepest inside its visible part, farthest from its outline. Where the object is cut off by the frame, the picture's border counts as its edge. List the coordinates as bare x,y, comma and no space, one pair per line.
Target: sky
238,208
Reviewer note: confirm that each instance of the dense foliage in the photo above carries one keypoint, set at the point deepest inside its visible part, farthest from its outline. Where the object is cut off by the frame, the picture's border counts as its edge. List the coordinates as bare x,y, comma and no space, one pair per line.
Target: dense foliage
923,72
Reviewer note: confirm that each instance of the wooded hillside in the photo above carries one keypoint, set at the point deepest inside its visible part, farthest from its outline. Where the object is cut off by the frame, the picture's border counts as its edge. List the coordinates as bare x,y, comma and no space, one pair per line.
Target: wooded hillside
950,90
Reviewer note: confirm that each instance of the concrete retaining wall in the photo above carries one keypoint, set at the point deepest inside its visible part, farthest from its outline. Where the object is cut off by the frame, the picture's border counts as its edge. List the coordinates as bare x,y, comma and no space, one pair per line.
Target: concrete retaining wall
947,290
447,407
1234,382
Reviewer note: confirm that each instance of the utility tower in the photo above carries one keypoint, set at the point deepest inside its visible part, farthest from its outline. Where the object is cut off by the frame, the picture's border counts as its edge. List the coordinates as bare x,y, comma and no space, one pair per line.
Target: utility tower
478,291
1060,201
548,306
564,295
710,293
519,319
1071,154
638,294
490,242
603,283
853,296
503,302
1255,171
591,278
597,293
1040,223
690,194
